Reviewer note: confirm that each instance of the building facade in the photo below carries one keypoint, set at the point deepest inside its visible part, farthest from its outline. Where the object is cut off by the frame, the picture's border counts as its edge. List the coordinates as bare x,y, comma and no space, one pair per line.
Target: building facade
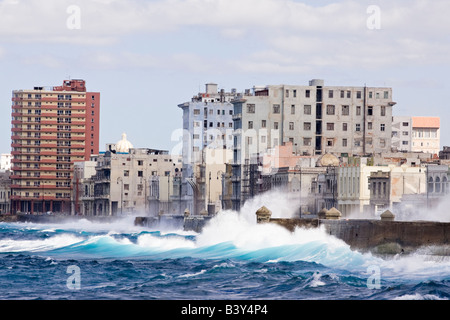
207,123
426,136
5,161
52,127
416,134
316,119
5,191
136,180
401,133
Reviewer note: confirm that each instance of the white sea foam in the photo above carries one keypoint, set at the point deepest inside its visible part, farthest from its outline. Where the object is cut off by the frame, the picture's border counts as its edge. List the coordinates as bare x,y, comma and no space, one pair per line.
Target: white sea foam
418,296
189,275
164,243
59,241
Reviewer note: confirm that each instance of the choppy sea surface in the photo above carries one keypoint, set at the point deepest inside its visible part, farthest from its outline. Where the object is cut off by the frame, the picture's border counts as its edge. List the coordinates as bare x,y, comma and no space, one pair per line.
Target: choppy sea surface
232,258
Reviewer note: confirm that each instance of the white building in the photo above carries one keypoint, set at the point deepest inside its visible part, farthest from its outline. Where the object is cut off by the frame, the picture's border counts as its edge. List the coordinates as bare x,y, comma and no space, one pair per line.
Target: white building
207,123
355,187
127,180
5,161
416,134
401,133
426,136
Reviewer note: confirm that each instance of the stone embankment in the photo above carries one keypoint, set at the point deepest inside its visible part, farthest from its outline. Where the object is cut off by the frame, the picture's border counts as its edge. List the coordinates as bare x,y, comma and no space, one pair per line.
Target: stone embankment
385,236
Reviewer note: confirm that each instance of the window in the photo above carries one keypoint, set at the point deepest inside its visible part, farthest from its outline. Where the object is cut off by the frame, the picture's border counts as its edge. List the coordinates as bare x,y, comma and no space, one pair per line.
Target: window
344,126
405,133
349,94
250,108
287,93
358,110
358,127
330,109
276,108
196,111
250,124
307,126
383,111
291,126
344,142
342,94
126,187
330,126
307,93
369,125
275,125
386,95
294,93
405,124
369,110
307,141
329,142
307,109
382,127
263,123
358,94
293,109
140,173
330,94
405,143
140,162
382,143
345,110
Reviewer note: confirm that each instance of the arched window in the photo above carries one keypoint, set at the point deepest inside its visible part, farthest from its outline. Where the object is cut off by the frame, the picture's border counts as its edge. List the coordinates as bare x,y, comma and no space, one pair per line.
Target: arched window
445,185
437,185
430,185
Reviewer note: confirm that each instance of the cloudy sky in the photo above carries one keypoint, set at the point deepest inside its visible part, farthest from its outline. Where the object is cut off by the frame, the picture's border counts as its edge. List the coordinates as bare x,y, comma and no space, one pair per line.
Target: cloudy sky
146,57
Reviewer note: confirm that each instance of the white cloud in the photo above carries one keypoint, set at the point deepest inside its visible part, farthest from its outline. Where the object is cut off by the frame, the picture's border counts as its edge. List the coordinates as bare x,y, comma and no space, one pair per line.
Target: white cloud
295,34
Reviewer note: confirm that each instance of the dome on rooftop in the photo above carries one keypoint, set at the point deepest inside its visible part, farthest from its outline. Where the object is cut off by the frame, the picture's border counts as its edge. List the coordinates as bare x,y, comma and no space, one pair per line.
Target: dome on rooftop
328,160
123,145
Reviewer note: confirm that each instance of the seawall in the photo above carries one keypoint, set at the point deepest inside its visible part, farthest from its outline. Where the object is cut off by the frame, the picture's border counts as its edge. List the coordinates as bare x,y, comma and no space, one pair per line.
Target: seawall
384,236
188,223
43,218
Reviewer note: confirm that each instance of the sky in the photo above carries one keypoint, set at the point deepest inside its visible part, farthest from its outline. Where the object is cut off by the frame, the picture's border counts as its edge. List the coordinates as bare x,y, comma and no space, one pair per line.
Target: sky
146,57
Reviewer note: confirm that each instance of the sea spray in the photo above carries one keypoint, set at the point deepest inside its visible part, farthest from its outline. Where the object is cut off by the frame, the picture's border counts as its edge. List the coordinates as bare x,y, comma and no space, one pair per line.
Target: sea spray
233,258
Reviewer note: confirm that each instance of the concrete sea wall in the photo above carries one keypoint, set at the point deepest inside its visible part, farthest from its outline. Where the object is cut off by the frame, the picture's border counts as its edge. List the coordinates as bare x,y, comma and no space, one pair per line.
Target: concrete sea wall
384,236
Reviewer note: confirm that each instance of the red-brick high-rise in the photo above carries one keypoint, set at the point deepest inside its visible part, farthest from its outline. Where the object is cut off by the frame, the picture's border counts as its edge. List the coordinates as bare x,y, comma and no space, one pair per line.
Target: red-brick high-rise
51,129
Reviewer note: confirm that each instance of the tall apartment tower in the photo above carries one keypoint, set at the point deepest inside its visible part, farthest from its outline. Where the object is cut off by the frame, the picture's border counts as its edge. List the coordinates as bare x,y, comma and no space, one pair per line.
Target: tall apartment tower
316,119
52,127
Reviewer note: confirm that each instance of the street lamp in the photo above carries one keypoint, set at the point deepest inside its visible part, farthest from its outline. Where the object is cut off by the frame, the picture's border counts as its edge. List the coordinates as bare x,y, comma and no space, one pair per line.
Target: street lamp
121,194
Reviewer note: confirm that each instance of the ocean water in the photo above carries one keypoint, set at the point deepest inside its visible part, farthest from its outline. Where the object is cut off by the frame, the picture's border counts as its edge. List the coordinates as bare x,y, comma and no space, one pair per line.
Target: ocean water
232,258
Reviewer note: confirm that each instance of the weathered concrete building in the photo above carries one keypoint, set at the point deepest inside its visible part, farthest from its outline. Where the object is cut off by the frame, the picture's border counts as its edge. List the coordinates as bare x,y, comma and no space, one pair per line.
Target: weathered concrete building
207,123
128,180
316,119
5,191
